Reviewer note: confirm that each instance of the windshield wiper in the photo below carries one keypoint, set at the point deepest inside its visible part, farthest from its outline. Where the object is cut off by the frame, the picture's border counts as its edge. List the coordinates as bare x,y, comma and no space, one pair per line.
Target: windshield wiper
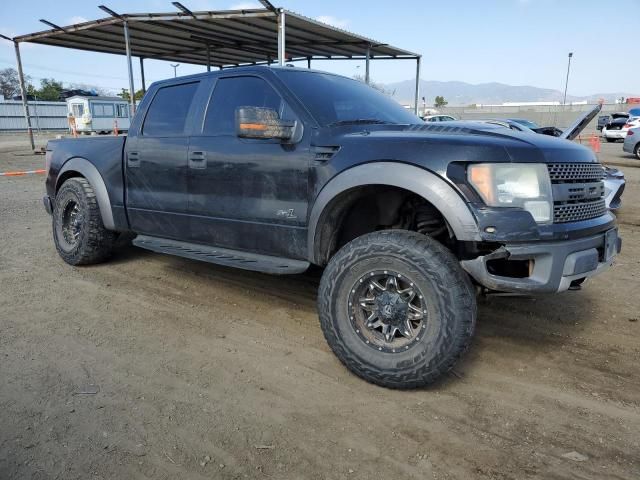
358,121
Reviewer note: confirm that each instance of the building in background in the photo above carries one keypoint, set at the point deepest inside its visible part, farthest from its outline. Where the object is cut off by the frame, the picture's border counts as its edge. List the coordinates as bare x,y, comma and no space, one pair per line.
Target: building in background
99,114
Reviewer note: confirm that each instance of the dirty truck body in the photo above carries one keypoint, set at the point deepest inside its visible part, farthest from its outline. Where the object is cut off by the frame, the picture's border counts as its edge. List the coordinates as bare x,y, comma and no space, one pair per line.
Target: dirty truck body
278,169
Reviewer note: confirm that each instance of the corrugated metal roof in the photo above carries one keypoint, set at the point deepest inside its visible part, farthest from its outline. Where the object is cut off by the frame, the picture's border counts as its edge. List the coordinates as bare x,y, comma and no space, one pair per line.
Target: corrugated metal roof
233,37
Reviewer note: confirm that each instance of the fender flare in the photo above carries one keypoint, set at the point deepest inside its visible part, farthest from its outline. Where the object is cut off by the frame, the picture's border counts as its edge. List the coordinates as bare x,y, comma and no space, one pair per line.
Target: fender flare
91,173
415,179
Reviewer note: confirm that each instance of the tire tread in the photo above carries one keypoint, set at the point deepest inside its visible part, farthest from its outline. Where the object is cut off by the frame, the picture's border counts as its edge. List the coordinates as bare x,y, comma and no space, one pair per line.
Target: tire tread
422,251
97,246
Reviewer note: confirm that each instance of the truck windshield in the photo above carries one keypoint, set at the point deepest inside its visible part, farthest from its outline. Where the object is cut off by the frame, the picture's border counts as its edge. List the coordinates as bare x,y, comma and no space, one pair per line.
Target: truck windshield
335,100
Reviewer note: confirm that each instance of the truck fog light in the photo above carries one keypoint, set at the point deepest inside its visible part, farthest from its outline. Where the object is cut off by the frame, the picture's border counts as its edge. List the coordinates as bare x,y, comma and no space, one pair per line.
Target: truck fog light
540,210
490,229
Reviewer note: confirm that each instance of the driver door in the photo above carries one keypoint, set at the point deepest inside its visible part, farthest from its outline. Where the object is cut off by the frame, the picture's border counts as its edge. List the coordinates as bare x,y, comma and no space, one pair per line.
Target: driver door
247,194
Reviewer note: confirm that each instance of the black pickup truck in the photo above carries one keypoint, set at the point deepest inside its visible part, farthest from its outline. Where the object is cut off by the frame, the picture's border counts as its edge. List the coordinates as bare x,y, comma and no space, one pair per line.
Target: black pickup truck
277,169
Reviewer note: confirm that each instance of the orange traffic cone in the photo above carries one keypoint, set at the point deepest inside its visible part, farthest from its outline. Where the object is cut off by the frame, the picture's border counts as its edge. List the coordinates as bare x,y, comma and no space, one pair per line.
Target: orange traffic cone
115,128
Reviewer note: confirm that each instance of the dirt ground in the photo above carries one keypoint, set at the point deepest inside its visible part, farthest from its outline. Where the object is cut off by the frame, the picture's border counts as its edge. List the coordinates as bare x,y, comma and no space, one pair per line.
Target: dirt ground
152,366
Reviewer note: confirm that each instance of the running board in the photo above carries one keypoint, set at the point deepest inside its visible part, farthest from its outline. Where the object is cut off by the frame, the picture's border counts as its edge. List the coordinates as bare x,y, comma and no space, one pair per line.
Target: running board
222,256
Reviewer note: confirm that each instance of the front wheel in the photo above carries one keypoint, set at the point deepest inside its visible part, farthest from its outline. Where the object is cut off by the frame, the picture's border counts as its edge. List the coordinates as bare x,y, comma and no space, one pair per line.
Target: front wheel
636,151
396,308
78,231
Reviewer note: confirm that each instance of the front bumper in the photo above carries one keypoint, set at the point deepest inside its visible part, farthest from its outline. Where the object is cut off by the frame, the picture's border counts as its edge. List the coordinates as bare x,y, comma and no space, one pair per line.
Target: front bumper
555,264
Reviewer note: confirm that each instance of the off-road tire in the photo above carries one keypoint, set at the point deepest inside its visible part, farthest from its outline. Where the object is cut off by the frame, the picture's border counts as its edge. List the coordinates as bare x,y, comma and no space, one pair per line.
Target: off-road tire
450,299
94,243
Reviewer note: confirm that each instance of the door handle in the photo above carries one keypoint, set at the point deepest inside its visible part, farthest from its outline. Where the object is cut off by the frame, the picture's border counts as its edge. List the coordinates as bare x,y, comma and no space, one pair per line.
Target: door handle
197,160
133,159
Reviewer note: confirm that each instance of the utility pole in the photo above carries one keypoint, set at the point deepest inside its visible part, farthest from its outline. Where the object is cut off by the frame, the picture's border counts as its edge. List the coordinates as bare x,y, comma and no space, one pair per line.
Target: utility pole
566,83
175,71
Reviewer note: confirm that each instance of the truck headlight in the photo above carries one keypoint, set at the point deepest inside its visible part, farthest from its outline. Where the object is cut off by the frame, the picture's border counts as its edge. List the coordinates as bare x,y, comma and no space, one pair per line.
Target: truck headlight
524,185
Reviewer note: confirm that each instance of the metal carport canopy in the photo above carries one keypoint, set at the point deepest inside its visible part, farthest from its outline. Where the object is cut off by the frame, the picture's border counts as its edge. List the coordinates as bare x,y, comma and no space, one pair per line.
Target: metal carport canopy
216,38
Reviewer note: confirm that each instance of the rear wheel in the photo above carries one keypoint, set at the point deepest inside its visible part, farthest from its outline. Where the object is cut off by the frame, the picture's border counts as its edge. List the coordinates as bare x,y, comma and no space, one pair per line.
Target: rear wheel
396,308
636,151
78,231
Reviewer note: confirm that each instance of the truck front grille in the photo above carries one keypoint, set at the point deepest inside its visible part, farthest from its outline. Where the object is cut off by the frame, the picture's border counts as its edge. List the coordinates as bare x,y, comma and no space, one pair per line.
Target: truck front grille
575,172
578,191
574,212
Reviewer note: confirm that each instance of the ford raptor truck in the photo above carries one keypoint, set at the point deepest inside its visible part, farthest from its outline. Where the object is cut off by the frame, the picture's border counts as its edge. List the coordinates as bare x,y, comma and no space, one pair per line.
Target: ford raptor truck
277,169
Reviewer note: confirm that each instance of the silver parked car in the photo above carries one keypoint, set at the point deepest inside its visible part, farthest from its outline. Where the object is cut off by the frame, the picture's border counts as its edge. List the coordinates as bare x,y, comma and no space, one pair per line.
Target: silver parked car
614,184
632,142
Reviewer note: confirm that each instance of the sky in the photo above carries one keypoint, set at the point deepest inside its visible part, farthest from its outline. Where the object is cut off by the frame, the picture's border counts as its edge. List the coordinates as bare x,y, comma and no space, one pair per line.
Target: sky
517,42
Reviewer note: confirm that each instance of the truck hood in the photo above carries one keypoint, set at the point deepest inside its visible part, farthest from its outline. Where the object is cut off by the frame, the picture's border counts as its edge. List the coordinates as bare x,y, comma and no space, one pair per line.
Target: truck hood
580,124
441,144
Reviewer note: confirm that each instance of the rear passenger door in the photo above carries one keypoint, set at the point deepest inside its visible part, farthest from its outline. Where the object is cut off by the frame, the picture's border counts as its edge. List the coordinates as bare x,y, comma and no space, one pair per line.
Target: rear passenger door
156,164
247,194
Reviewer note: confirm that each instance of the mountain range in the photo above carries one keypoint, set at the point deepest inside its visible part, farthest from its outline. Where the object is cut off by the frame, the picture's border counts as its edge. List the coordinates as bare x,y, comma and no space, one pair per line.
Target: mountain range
462,93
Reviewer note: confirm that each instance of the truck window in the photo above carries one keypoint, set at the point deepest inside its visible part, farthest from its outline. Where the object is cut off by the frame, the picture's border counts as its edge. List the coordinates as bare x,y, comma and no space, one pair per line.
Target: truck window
332,99
167,114
230,93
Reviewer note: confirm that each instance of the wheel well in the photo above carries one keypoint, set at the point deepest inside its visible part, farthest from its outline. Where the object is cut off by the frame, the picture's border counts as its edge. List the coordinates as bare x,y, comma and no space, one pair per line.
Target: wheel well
370,208
66,176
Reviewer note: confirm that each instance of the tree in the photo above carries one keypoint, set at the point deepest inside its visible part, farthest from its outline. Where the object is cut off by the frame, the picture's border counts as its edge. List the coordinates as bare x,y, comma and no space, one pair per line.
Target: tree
10,83
50,90
90,88
124,94
440,102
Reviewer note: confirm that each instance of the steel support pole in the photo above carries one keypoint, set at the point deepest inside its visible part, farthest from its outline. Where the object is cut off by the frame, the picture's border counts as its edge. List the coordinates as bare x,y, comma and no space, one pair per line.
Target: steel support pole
417,93
144,85
132,92
366,65
309,62
281,39
23,93
208,58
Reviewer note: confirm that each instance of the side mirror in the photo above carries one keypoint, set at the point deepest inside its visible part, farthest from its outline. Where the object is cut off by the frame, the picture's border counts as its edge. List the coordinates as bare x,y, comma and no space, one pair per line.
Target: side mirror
261,122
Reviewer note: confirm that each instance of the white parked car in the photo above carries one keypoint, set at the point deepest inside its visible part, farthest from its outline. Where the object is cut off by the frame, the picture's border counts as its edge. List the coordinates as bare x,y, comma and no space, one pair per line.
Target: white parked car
617,129
439,118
